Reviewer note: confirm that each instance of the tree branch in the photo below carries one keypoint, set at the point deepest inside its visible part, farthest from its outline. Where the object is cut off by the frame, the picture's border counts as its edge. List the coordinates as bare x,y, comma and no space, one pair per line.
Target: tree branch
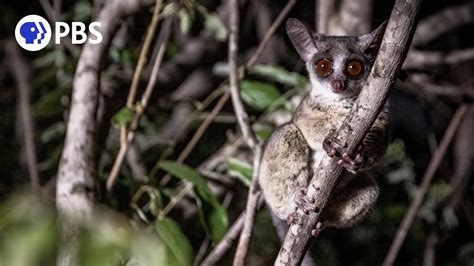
356,16
239,109
164,36
325,9
226,243
52,15
425,184
354,128
21,73
442,22
140,64
452,90
247,132
77,169
225,97
424,59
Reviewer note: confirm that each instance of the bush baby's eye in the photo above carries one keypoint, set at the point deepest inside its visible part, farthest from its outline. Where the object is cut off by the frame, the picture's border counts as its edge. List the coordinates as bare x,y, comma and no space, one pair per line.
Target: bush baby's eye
323,67
354,68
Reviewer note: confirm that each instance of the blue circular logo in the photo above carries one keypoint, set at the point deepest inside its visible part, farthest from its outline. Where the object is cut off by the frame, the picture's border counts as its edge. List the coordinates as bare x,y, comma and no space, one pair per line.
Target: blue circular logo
33,32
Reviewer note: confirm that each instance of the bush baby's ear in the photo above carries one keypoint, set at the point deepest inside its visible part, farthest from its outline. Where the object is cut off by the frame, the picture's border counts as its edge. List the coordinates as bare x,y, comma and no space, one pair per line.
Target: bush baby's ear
371,41
302,39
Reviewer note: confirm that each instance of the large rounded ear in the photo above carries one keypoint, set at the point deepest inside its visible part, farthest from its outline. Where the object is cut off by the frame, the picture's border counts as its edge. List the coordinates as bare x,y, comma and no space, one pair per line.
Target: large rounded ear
301,38
370,42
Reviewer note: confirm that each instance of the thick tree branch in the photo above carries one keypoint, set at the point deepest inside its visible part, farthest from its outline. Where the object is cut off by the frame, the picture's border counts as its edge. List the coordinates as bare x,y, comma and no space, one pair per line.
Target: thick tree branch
436,160
77,170
366,109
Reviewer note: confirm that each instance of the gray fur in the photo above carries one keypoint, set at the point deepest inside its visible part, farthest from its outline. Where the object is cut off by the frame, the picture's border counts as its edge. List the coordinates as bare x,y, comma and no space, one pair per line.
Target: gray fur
294,149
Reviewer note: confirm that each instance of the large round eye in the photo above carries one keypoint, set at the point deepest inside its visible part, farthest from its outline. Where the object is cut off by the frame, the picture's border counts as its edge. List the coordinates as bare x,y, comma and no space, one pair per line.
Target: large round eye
323,67
354,68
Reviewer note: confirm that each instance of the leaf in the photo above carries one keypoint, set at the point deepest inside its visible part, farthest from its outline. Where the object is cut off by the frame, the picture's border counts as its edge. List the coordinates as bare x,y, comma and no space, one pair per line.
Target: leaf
214,25
211,213
185,20
185,172
149,249
258,95
280,74
264,130
54,131
123,117
240,169
169,9
176,241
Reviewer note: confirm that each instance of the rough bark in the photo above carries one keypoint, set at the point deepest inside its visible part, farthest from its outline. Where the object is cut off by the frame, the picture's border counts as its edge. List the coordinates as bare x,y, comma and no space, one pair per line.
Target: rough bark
77,168
369,104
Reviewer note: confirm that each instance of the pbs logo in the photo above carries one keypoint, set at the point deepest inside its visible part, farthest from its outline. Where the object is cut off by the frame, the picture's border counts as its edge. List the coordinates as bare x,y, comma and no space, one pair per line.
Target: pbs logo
33,33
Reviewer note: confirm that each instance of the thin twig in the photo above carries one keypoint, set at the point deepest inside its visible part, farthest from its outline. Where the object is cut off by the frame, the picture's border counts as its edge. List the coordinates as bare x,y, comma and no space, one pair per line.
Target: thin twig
429,256
198,134
424,59
140,64
247,133
225,97
436,160
251,208
142,107
51,13
239,109
445,89
21,73
226,243
442,22
263,44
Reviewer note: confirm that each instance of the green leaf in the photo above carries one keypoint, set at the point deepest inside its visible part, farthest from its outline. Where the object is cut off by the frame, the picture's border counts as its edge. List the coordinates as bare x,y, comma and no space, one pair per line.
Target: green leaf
185,20
240,169
185,172
123,117
170,232
280,74
214,25
264,130
211,213
149,249
258,95
54,131
169,9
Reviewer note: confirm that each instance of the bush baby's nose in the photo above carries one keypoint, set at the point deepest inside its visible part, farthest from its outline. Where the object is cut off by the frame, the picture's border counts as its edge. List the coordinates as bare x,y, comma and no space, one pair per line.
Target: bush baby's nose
337,85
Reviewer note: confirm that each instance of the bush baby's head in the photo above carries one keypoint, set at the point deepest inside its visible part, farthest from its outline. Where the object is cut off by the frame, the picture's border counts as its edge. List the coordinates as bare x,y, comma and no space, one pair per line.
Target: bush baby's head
337,65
